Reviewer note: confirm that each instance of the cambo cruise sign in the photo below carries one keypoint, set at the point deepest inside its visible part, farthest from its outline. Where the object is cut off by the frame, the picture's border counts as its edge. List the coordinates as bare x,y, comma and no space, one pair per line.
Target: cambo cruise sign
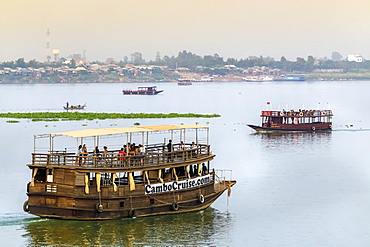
177,185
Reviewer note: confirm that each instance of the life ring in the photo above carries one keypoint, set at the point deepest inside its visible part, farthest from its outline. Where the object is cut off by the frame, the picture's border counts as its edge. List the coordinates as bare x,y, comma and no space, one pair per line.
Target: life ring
25,207
301,114
201,198
175,206
99,207
313,128
323,113
281,113
132,213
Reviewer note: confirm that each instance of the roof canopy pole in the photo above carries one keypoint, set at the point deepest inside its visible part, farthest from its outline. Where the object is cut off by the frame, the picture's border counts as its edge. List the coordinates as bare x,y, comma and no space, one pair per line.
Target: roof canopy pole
147,139
142,138
184,137
96,141
34,144
126,139
51,140
196,136
77,143
171,134
207,136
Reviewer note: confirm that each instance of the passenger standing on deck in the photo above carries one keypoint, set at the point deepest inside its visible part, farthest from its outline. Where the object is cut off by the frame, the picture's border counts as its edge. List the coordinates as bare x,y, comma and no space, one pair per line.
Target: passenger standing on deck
132,149
142,151
182,146
84,152
105,154
78,154
121,155
169,149
96,151
193,146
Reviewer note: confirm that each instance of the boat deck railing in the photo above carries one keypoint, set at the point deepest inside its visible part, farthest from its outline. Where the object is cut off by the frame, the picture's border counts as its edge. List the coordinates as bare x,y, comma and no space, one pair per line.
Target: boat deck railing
154,156
301,113
223,175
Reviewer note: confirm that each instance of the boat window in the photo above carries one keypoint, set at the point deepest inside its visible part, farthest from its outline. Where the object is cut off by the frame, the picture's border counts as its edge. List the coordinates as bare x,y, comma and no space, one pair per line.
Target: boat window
49,177
122,204
41,175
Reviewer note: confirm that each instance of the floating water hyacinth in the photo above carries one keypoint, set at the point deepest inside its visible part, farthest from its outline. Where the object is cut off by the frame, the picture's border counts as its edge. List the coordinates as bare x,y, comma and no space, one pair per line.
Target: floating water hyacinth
63,116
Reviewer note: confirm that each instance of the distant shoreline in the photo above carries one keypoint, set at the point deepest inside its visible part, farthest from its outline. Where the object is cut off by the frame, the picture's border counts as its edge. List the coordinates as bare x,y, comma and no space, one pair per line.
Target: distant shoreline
227,78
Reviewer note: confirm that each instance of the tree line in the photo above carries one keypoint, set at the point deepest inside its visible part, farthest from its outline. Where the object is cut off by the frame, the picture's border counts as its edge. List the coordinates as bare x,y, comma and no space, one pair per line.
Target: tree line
193,62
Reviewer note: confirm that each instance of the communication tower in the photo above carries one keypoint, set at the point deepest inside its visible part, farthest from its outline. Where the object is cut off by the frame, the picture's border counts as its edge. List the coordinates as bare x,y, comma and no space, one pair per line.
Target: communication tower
48,57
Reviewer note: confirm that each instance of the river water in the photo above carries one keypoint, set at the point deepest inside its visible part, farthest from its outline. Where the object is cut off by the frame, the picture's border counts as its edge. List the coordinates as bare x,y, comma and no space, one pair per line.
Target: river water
293,189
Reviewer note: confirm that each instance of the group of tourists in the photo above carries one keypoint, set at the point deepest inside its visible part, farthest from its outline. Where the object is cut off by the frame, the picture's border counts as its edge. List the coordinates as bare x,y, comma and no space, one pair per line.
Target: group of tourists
126,150
129,149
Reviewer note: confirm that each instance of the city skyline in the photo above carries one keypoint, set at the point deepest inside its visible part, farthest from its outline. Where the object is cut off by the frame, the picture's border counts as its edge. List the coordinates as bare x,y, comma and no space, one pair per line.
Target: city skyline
232,29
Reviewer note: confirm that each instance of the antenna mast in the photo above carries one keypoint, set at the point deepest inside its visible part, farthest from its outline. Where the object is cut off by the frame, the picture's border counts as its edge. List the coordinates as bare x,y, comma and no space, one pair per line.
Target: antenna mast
48,57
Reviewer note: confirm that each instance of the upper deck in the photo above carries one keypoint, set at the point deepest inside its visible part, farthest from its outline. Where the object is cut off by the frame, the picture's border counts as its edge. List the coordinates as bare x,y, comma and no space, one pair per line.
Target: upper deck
156,156
300,113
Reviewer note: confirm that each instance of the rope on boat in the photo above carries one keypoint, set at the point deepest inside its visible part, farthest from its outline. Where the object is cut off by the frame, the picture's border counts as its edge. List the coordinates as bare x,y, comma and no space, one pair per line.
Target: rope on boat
228,193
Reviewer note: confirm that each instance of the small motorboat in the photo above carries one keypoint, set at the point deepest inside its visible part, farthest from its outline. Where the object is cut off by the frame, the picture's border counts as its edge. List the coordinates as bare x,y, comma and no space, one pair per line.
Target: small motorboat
75,107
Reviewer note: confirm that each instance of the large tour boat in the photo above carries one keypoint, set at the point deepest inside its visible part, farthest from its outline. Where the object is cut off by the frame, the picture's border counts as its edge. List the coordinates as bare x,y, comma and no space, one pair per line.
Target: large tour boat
301,120
171,174
143,91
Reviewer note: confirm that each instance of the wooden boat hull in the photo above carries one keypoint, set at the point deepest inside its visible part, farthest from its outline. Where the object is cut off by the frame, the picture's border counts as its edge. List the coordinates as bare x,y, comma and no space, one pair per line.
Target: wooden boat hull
140,92
184,83
293,127
74,108
137,206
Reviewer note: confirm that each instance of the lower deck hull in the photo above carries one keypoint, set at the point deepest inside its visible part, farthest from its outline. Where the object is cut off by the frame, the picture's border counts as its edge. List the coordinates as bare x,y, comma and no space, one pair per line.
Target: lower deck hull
134,206
141,92
293,127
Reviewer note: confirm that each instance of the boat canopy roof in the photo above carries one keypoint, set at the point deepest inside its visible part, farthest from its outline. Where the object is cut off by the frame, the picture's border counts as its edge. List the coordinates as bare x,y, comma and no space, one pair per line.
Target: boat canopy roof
119,131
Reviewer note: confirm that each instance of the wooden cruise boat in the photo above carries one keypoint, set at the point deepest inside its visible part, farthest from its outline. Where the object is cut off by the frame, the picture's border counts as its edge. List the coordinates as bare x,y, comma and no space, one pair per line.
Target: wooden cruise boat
143,91
301,120
110,185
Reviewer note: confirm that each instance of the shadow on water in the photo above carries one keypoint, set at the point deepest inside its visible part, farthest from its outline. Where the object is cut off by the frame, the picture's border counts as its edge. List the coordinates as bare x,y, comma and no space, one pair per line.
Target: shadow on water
205,228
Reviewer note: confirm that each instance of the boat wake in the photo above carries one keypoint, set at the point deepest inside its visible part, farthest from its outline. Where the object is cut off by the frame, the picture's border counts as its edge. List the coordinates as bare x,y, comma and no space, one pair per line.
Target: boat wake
13,219
352,130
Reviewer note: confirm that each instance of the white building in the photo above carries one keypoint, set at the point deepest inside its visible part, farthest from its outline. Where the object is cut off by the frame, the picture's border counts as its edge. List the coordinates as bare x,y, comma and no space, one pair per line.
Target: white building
355,58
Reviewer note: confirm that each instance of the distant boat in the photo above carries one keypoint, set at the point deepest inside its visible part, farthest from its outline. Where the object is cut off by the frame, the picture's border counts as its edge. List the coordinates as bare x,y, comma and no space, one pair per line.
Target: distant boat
258,79
206,79
75,107
184,82
291,78
302,120
143,91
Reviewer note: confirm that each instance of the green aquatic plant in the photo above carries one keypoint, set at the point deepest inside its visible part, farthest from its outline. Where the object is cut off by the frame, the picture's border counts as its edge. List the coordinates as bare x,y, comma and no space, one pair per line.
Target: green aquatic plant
64,116
12,121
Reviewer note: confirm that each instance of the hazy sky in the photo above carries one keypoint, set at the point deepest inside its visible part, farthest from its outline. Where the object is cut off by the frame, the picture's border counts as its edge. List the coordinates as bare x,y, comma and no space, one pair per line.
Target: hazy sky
230,28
